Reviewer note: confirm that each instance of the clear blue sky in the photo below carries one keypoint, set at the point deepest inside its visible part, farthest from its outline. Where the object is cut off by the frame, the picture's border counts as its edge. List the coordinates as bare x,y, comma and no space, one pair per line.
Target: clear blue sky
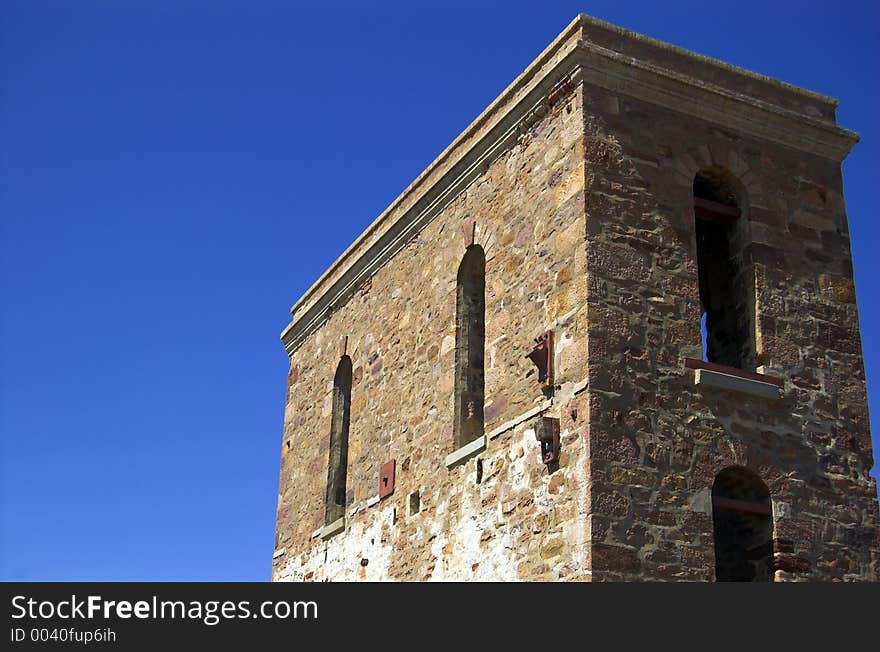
175,174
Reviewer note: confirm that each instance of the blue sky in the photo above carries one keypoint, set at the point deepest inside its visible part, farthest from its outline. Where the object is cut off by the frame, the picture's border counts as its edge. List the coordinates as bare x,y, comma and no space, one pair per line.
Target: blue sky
173,175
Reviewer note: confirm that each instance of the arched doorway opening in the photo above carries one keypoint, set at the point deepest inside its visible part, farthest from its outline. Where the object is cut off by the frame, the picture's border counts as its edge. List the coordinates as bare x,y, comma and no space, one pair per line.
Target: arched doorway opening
742,517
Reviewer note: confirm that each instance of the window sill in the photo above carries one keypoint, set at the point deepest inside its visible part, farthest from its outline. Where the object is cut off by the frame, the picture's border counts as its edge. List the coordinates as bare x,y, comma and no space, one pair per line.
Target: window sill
466,452
333,528
718,376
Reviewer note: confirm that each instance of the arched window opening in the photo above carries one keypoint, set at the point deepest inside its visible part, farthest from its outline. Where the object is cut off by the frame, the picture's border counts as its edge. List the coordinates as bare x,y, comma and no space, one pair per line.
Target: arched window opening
338,466
726,286
470,337
742,518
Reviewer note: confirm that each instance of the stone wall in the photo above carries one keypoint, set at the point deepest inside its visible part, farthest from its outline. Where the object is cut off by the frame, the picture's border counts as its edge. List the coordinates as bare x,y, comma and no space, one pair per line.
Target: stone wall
579,179
657,440
517,522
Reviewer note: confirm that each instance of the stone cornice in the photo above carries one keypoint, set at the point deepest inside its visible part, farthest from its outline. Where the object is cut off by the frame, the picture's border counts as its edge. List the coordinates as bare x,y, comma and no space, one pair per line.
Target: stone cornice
599,30
729,108
571,59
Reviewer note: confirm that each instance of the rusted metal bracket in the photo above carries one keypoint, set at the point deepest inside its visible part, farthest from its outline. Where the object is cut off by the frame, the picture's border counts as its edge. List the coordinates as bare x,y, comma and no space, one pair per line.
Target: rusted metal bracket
542,357
549,438
386,478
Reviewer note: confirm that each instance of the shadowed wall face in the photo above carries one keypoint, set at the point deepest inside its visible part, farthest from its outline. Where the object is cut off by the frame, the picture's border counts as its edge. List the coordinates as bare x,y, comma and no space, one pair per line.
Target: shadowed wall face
775,282
743,539
337,469
470,338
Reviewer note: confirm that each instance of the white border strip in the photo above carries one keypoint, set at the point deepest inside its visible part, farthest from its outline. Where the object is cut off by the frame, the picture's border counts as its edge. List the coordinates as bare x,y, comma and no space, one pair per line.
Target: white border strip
334,528
525,416
732,383
467,451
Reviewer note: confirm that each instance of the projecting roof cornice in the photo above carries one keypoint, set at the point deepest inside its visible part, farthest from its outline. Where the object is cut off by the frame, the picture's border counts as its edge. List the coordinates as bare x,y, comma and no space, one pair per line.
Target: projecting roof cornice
594,53
727,107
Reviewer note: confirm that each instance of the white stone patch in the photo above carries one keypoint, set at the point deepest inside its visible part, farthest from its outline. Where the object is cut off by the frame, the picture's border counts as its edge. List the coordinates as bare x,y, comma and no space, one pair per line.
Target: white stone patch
563,342
339,558
732,383
580,541
460,532
519,468
494,559
781,509
701,501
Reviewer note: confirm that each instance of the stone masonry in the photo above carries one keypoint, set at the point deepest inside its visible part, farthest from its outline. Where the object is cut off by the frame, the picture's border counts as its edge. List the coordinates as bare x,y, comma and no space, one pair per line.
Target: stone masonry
578,183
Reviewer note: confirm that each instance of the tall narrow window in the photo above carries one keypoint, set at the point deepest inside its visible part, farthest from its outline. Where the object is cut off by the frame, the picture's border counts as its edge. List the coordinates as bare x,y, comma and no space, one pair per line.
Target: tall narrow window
726,286
338,466
743,524
470,336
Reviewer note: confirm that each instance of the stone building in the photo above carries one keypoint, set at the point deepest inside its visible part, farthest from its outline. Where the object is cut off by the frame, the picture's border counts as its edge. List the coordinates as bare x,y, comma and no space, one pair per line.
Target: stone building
609,334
